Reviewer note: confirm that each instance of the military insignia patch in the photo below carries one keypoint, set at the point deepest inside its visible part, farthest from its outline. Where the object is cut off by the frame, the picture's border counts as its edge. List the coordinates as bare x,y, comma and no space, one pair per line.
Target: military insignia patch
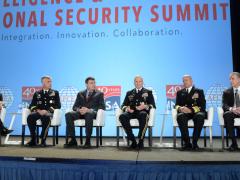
52,94
195,96
130,97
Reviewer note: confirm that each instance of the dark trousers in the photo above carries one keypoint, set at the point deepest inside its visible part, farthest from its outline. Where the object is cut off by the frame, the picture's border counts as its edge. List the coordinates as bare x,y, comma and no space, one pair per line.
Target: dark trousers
142,117
198,120
32,123
1,126
72,116
229,123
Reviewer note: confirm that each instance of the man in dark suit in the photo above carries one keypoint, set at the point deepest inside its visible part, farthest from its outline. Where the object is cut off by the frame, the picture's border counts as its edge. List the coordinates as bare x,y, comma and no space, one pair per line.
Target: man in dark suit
231,107
3,130
87,104
42,107
190,104
137,104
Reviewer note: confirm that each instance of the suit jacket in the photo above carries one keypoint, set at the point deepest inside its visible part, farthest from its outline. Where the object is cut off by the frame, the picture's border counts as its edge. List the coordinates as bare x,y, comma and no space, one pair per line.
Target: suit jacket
228,99
94,102
134,99
195,100
49,101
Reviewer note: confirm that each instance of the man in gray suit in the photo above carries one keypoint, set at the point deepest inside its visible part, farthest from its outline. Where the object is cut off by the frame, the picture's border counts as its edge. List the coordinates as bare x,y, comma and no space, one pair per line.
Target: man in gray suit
87,104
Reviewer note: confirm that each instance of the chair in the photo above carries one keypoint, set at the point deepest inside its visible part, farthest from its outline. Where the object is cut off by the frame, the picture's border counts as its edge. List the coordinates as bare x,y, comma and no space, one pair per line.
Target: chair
222,125
2,117
135,124
207,124
55,123
98,123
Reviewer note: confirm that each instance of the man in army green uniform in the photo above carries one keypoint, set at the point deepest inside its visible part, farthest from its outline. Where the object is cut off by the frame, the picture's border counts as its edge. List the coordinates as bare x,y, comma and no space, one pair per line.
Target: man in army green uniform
190,104
137,104
42,107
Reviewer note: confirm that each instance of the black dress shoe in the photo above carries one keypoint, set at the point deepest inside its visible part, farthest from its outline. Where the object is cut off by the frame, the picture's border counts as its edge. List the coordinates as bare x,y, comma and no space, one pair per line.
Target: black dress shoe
133,145
31,143
87,145
187,147
72,143
140,144
195,147
6,132
43,143
233,147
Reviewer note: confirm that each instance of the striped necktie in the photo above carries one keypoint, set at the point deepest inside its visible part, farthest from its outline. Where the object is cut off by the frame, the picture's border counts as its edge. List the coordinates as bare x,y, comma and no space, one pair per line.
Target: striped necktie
237,99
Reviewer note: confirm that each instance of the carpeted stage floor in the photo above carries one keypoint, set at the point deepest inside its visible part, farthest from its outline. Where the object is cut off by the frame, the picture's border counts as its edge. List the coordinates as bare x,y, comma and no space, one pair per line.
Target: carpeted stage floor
111,163
123,153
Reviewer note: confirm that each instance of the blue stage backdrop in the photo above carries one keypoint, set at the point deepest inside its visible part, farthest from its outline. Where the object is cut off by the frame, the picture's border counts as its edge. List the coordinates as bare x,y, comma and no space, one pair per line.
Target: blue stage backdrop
114,41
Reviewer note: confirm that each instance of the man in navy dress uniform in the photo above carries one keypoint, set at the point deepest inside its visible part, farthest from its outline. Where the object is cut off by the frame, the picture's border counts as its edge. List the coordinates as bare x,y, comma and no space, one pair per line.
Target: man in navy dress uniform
190,104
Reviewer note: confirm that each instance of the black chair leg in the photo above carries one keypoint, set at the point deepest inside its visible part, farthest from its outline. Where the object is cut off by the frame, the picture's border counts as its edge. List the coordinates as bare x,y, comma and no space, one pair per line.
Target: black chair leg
174,137
57,128
117,136
205,138
150,136
54,133
66,137
227,142
37,134
81,135
100,135
97,136
23,134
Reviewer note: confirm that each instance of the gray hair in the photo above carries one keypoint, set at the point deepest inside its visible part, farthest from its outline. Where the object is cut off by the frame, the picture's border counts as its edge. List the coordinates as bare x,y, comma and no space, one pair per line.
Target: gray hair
237,74
138,76
187,76
46,77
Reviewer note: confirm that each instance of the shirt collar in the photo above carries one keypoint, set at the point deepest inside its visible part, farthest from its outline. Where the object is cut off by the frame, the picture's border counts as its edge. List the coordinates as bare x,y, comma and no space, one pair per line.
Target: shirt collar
137,90
189,89
234,89
89,92
46,90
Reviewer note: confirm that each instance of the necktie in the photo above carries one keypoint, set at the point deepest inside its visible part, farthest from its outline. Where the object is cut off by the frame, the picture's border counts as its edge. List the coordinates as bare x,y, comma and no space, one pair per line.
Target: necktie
237,98
88,95
187,90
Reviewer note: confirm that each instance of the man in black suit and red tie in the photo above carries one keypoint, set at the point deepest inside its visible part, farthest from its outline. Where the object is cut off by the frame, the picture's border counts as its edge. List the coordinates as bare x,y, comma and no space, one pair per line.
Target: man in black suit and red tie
231,107
87,104
190,104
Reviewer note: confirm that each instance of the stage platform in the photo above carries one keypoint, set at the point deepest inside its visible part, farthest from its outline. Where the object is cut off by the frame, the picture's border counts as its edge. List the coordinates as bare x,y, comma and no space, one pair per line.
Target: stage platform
123,153
112,163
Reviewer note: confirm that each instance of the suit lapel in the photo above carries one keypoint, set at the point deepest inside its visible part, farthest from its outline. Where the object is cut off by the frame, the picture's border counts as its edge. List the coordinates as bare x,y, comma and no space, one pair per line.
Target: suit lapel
85,95
90,97
192,92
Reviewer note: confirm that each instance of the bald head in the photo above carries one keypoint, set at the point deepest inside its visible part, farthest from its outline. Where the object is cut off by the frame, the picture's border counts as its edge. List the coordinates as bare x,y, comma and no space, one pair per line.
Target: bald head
138,82
187,81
